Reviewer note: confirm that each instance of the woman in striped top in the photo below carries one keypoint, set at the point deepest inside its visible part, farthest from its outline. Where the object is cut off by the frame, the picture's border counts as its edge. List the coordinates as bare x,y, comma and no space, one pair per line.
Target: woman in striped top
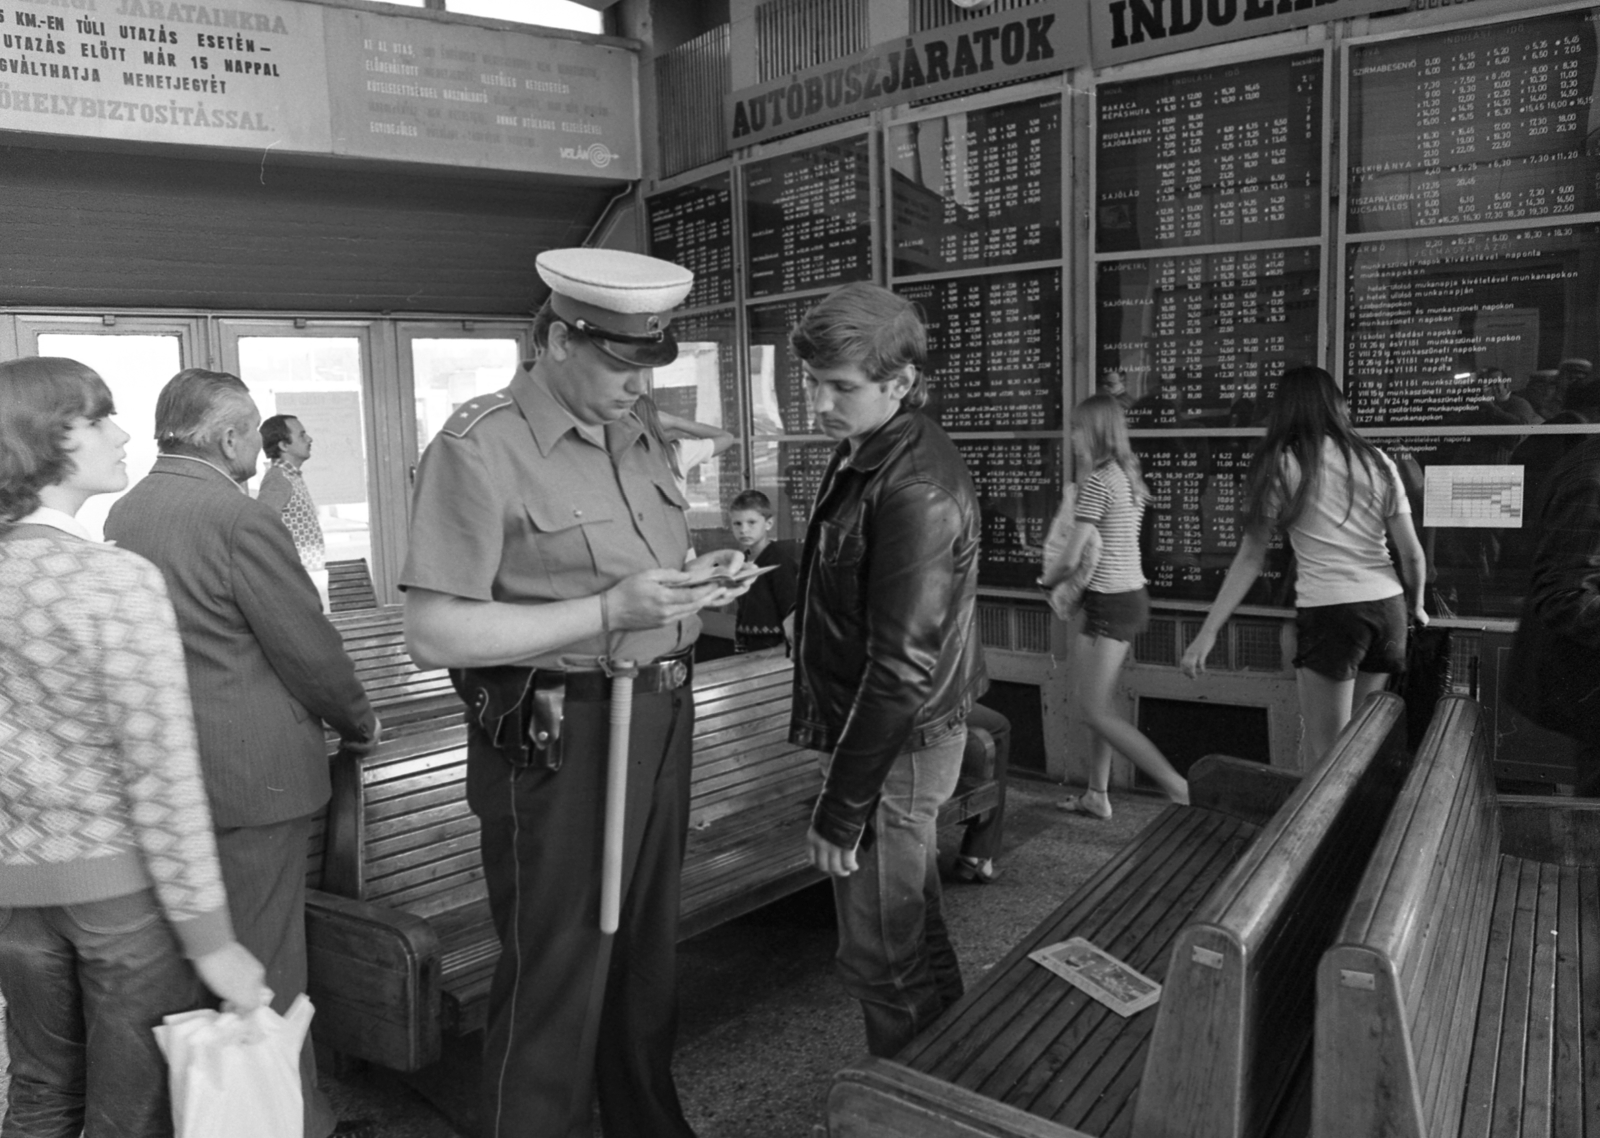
1116,608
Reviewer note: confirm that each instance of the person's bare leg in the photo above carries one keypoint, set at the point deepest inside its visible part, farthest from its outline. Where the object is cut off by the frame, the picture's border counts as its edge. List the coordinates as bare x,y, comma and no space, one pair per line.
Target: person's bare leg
1102,659
1324,709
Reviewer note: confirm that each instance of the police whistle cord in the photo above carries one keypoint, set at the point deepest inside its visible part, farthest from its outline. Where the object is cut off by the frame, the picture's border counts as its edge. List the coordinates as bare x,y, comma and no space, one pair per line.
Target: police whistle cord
622,674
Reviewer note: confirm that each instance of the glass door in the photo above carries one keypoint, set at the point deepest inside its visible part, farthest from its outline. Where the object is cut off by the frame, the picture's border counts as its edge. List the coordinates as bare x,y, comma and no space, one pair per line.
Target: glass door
320,374
136,356
443,364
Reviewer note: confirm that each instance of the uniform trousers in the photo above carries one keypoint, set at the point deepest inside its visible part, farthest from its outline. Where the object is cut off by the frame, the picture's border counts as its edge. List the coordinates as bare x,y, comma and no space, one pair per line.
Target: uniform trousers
264,869
542,847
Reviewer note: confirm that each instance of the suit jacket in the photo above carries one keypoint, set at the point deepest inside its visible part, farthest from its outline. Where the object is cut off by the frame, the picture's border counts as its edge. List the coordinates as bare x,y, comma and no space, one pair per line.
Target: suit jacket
265,666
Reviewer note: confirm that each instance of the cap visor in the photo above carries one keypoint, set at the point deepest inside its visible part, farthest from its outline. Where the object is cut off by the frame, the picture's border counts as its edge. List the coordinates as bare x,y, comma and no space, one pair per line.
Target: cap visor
640,355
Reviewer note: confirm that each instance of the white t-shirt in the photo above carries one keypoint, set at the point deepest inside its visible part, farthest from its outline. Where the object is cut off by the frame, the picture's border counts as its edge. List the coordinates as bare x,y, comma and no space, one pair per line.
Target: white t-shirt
1339,544
691,453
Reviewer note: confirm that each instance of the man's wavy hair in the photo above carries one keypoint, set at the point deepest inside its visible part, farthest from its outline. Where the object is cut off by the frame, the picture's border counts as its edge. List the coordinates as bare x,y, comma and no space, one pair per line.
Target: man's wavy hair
39,399
865,326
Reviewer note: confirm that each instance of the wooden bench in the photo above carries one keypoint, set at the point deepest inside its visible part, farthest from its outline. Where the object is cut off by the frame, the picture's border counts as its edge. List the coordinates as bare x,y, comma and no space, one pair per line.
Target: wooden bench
350,586
1462,996
1228,903
401,946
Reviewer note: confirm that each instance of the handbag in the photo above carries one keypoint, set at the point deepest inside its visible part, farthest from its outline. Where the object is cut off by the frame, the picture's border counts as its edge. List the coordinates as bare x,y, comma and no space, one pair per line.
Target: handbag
1066,583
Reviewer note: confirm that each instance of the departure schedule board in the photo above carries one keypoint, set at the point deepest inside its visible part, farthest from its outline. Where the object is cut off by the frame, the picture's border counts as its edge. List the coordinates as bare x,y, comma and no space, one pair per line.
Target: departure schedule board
994,347
778,403
1426,317
1200,340
1019,487
1194,521
797,478
1480,124
809,218
1218,156
692,226
977,188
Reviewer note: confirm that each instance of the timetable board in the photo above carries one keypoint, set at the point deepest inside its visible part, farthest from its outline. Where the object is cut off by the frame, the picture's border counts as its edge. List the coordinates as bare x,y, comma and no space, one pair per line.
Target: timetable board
692,226
994,349
707,365
809,218
1019,487
1425,315
1217,156
1194,521
978,188
1200,339
778,402
800,467
1482,124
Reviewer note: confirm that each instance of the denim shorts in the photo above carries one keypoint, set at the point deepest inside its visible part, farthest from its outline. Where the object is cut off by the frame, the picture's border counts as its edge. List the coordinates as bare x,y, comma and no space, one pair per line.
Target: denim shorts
1338,641
1116,616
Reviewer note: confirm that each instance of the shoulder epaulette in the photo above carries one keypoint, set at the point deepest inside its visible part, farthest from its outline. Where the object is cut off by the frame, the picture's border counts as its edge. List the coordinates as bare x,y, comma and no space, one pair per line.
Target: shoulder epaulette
472,411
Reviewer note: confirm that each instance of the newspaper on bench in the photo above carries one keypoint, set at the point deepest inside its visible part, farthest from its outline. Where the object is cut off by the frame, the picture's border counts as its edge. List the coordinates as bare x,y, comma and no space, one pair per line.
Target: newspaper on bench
1100,974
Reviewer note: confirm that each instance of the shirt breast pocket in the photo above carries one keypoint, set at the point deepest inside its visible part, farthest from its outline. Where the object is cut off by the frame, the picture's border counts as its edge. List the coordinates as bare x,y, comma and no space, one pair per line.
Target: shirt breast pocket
560,551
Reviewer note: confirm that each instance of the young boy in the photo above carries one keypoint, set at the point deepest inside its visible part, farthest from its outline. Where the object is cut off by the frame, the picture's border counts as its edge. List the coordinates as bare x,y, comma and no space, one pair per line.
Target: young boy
759,623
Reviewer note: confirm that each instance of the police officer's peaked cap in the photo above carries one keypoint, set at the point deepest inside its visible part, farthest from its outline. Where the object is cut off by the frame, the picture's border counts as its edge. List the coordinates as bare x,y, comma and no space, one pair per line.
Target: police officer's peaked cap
621,301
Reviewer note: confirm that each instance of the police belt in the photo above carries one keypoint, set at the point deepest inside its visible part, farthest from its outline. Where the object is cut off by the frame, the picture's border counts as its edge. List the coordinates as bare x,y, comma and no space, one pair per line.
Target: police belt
521,710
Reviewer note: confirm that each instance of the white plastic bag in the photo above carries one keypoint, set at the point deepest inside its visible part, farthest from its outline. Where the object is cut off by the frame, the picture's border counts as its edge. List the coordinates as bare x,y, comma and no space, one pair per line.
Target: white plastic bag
1067,582
236,1075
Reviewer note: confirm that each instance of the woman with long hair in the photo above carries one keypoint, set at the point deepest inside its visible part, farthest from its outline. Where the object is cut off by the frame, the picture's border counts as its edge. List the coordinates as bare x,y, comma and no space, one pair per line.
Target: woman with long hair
111,899
1116,607
1337,496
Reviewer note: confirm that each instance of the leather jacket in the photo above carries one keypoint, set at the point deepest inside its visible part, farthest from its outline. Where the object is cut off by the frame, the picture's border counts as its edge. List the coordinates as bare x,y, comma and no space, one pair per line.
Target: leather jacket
888,657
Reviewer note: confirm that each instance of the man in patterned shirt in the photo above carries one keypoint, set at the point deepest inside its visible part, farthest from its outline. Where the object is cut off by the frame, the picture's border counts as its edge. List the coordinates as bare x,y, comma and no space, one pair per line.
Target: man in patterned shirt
283,487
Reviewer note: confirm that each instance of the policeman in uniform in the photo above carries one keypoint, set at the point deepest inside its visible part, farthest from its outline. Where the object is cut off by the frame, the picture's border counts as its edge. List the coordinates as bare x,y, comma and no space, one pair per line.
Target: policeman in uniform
548,539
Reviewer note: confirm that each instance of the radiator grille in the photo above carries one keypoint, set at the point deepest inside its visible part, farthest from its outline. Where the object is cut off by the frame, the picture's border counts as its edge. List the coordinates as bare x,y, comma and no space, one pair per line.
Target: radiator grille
1157,644
1257,646
994,626
1033,629
1015,627
691,88
929,14
795,34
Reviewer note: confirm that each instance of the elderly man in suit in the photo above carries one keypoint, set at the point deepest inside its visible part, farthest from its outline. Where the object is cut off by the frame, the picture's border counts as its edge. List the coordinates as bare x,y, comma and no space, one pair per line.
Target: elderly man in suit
266,669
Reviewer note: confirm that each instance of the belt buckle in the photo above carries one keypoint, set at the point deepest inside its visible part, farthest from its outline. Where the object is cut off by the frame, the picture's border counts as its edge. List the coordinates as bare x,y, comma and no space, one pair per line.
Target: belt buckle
674,674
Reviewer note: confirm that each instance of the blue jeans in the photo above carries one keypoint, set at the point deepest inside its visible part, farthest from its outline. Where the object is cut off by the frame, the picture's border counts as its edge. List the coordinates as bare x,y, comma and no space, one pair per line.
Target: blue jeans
85,985
894,951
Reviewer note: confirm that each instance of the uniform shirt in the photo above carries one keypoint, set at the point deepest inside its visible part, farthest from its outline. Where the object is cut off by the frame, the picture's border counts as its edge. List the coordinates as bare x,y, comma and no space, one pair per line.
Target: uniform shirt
1106,501
283,487
513,503
1340,543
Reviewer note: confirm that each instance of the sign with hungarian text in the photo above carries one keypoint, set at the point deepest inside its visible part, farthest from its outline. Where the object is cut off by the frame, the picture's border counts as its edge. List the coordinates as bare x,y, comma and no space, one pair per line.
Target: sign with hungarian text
1125,30
282,76
1040,39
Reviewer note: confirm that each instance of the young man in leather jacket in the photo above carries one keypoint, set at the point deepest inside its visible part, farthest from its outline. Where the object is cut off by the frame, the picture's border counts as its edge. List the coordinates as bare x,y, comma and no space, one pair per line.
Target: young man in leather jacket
887,662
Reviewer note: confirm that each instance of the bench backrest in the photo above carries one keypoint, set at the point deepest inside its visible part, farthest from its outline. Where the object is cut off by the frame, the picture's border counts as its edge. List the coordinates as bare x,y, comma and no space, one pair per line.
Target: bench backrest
400,832
1397,994
1236,1011
350,586
401,692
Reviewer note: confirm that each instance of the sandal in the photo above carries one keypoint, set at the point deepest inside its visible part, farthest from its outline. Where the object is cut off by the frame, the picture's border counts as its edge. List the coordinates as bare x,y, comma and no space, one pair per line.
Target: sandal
1075,805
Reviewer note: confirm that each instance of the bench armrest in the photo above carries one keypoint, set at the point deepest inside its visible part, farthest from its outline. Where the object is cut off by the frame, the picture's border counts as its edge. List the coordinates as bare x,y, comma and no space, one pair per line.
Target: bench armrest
373,974
879,1098
1241,788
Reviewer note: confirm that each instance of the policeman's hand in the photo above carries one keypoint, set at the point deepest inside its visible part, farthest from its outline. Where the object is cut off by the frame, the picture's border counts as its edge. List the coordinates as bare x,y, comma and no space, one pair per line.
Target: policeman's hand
1194,657
720,562
361,747
232,973
653,598
835,861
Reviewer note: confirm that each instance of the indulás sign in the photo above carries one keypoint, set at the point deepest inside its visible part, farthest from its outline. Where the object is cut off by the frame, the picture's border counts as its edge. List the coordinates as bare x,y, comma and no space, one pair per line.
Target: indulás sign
1037,40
